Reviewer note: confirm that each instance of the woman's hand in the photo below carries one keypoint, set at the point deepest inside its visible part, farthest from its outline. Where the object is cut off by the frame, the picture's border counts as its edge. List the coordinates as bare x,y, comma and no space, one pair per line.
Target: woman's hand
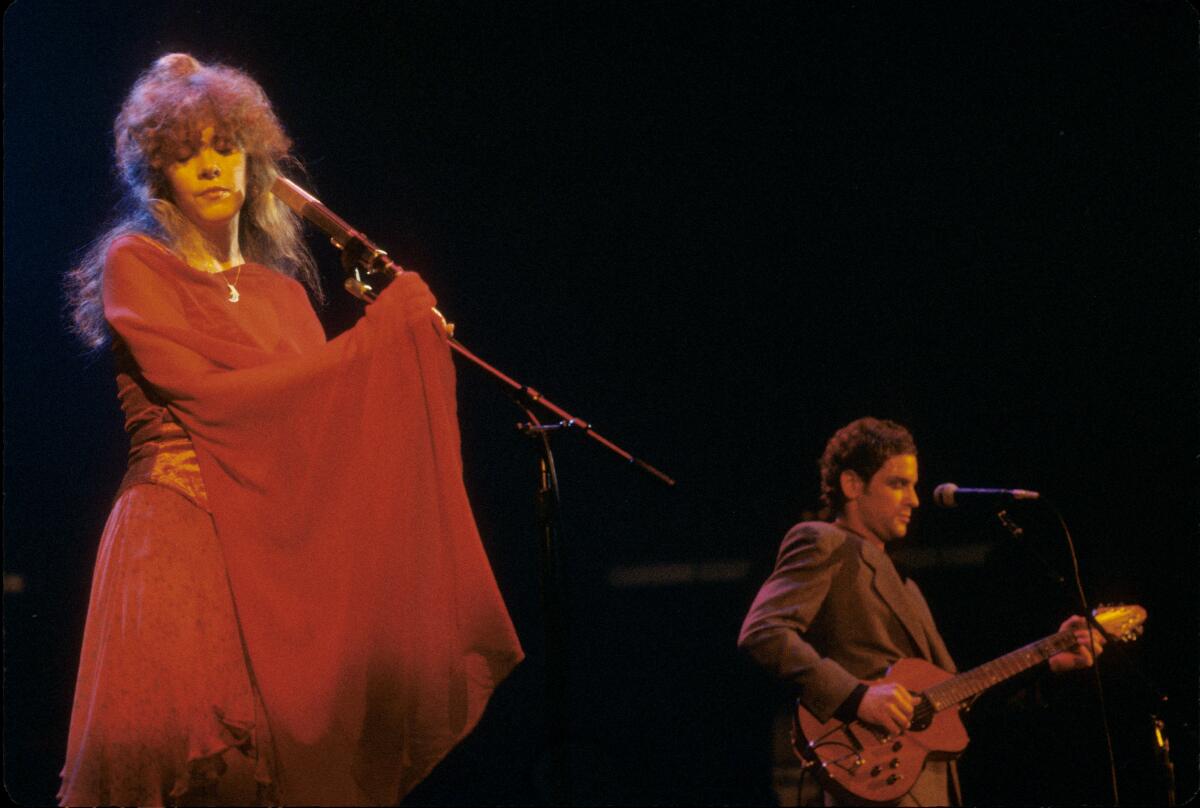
414,298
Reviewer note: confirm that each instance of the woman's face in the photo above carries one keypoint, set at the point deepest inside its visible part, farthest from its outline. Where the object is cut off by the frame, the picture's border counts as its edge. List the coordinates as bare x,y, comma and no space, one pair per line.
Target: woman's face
209,185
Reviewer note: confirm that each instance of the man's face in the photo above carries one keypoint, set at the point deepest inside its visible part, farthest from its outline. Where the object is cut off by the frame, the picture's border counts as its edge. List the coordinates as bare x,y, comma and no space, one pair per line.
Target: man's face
885,505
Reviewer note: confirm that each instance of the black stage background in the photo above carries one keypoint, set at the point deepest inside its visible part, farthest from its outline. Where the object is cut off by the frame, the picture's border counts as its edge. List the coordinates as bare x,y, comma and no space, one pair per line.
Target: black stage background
720,231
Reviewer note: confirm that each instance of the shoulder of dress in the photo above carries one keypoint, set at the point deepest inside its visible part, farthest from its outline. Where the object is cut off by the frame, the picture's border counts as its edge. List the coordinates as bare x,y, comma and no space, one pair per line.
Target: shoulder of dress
287,284
289,281
276,276
139,242
129,257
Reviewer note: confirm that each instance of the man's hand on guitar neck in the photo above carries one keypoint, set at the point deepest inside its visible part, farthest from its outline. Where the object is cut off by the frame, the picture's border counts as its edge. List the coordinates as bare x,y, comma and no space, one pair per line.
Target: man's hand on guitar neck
888,705
1081,655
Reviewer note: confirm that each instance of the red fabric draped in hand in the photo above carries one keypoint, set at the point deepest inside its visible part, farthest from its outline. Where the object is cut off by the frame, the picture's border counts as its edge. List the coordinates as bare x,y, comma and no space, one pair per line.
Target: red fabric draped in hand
373,623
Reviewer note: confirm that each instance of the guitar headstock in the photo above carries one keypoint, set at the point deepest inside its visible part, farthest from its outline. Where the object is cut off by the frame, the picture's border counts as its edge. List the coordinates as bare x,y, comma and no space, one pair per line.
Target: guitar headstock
1121,621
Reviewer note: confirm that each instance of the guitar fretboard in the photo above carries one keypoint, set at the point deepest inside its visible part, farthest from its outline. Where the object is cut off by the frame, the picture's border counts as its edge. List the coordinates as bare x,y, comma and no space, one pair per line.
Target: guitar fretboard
973,682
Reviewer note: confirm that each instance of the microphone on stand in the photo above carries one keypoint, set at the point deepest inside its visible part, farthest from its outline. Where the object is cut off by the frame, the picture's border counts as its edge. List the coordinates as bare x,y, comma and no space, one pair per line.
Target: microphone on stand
949,495
309,207
358,252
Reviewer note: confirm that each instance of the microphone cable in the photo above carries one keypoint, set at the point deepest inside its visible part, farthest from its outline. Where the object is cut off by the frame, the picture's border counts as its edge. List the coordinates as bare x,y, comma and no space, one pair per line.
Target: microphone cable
1087,612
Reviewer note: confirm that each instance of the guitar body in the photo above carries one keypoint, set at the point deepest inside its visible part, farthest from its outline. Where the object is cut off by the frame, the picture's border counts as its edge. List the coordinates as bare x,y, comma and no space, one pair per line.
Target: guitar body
855,760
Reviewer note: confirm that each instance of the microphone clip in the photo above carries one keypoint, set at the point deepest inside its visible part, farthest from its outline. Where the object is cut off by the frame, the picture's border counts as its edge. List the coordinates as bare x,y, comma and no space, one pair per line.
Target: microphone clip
356,286
360,257
1015,530
1018,532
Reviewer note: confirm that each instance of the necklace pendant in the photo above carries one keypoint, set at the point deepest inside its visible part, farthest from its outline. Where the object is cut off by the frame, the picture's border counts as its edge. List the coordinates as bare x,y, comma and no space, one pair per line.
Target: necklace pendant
233,293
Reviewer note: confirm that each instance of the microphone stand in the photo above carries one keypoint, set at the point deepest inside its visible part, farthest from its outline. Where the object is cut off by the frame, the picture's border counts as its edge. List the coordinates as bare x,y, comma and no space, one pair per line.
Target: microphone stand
1018,533
1162,744
353,254
554,608
360,257
363,262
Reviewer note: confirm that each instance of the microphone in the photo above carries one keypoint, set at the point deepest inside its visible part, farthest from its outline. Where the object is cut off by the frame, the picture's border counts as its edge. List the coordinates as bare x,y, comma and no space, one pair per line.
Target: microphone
949,495
309,207
357,249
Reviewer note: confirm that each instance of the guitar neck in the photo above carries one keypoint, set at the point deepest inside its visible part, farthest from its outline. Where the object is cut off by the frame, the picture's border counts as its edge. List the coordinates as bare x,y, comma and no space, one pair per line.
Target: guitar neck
973,682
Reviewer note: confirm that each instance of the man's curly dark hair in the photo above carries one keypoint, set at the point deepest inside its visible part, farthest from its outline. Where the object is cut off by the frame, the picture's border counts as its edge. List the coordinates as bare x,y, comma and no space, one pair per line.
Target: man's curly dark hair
862,446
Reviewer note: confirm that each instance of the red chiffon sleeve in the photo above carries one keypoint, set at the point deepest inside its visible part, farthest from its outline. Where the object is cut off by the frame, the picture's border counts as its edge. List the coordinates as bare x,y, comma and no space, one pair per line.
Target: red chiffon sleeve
373,623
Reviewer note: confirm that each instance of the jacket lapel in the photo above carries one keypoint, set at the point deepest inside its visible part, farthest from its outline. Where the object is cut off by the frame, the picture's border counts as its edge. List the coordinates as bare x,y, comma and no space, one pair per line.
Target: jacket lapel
886,582
939,655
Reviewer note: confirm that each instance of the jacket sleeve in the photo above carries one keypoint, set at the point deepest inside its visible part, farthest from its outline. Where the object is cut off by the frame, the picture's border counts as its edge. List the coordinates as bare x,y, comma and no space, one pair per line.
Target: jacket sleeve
773,633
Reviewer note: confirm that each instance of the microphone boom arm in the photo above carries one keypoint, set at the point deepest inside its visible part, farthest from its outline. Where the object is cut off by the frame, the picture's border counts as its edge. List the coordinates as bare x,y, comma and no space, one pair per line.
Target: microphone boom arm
361,257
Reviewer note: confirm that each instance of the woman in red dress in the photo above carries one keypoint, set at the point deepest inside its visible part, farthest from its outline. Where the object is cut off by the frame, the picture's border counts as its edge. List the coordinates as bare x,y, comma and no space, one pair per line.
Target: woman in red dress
291,602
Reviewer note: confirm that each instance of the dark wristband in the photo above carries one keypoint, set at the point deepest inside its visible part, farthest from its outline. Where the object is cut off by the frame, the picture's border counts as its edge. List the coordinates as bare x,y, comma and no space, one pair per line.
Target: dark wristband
848,710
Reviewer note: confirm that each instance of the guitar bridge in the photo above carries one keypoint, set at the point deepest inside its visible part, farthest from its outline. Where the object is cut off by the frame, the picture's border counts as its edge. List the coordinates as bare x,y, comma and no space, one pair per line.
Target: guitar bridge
810,758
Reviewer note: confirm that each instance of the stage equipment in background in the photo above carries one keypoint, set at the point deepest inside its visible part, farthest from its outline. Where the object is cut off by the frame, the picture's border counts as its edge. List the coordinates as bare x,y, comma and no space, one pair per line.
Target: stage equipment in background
859,761
1162,756
369,270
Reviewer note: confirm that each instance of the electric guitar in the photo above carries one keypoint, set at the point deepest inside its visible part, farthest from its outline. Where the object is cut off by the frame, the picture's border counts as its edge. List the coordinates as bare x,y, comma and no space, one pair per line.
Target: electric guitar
860,761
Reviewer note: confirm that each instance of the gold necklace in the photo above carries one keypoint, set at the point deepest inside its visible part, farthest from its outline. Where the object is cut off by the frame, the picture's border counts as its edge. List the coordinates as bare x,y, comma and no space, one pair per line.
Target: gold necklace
233,292
234,295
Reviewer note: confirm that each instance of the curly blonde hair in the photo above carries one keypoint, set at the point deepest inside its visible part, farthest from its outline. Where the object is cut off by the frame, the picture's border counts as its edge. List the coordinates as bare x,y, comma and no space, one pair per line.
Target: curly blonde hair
159,123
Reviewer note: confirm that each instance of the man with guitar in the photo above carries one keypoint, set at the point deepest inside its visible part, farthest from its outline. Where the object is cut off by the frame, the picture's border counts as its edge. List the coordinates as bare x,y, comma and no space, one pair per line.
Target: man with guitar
835,615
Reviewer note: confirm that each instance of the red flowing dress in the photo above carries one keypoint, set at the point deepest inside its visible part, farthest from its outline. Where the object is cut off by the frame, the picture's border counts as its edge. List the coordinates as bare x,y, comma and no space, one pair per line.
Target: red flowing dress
291,602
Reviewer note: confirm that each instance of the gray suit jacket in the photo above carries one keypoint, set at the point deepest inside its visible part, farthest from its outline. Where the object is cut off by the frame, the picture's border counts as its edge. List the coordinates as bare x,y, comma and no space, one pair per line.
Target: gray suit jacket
835,612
